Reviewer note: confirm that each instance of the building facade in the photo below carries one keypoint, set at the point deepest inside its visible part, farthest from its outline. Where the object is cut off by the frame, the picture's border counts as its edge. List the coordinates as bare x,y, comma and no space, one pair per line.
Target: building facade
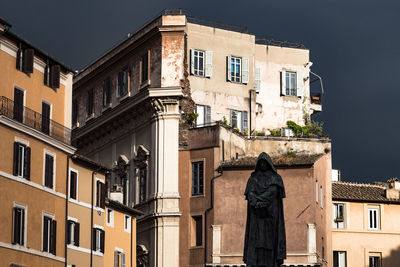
365,224
36,92
139,107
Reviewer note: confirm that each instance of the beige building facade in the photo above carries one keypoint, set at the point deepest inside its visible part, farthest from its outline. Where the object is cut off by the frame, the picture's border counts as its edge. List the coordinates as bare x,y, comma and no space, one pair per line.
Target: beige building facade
365,224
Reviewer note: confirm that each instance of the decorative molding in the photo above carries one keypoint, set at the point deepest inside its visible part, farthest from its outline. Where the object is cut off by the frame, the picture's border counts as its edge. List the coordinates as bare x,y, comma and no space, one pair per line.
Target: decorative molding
84,250
36,134
32,251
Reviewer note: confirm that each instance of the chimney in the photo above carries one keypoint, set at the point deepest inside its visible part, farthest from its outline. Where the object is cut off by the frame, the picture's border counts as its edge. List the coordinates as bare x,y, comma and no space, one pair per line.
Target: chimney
394,188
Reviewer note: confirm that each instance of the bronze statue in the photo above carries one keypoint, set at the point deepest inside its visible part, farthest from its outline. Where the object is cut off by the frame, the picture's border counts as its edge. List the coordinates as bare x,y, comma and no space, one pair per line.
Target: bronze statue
265,238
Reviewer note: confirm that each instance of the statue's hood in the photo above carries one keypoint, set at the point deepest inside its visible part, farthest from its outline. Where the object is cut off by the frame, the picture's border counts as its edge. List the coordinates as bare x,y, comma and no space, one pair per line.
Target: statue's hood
267,158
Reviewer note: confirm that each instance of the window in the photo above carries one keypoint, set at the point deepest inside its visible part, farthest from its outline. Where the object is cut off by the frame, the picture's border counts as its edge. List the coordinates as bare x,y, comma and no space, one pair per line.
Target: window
98,240
100,194
322,203
239,120
127,223
144,63
19,225
374,261
18,110
339,259
107,92
237,69
22,160
338,215
52,76
197,231
198,62
122,82
197,178
119,258
89,107
74,112
291,83
73,184
49,171
373,221
45,118
204,115
25,60
49,234
110,217
142,184
73,233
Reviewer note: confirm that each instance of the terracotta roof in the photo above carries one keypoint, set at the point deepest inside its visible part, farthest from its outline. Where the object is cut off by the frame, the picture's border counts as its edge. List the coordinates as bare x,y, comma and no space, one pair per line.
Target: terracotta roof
278,161
360,192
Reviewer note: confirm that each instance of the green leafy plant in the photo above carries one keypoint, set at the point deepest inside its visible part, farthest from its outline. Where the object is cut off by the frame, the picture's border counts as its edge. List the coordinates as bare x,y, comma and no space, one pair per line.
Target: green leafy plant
298,131
291,155
275,132
245,132
191,117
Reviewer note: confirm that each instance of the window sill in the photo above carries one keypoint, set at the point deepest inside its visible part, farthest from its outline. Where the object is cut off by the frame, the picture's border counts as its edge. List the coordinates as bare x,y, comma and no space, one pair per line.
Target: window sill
89,117
121,98
145,84
291,97
106,107
197,196
76,125
197,247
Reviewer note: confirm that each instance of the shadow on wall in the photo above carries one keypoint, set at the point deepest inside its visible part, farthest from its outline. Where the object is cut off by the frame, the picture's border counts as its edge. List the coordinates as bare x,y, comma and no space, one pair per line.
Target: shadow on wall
393,259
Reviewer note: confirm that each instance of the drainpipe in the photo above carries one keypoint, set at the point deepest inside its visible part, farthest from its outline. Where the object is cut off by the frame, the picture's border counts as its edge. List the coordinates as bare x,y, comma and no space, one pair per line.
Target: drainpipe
219,170
91,219
66,210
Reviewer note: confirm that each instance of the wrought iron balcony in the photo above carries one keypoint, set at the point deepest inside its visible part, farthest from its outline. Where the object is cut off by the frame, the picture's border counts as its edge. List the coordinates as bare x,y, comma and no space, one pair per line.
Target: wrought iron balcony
34,120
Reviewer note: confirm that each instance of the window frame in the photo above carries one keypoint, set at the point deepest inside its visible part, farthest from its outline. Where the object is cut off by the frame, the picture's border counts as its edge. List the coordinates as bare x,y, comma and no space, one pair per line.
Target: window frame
377,221
90,103
76,185
145,68
194,227
206,115
15,113
338,258
23,228
200,186
373,256
52,154
107,96
339,224
43,119
197,71
127,223
109,215
99,198
98,232
52,220
291,76
75,112
125,78
142,181
72,225
236,77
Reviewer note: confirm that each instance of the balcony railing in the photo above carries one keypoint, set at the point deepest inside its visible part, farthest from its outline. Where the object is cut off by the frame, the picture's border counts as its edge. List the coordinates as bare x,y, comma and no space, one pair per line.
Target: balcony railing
34,120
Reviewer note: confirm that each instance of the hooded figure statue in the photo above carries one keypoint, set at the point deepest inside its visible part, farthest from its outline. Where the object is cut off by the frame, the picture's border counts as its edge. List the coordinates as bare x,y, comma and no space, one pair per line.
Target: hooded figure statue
265,238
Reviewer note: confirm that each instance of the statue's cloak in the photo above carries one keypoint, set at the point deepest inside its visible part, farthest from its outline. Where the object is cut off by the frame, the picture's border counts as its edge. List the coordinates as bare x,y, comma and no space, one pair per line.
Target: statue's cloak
265,237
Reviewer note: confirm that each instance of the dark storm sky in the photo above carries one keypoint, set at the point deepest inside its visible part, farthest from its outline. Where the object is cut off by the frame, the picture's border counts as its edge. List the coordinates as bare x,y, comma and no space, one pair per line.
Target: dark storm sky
354,46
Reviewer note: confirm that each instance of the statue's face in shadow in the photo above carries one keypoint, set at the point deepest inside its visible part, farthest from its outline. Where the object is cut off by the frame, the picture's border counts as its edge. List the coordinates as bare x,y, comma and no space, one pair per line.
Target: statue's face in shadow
264,166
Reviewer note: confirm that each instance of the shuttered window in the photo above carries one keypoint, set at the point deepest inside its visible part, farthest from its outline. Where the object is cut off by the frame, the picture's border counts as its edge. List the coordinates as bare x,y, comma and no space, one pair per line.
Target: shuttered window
18,226
52,75
239,120
100,194
45,118
74,112
204,115
49,171
18,110
49,235
373,218
73,185
73,230
145,67
98,238
197,231
197,178
142,184
25,59
22,160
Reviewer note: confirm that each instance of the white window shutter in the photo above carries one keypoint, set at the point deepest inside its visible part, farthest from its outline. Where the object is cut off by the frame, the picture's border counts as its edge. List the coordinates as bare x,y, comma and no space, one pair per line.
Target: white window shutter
208,72
283,82
228,68
191,61
245,70
257,79
245,121
208,115
299,84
